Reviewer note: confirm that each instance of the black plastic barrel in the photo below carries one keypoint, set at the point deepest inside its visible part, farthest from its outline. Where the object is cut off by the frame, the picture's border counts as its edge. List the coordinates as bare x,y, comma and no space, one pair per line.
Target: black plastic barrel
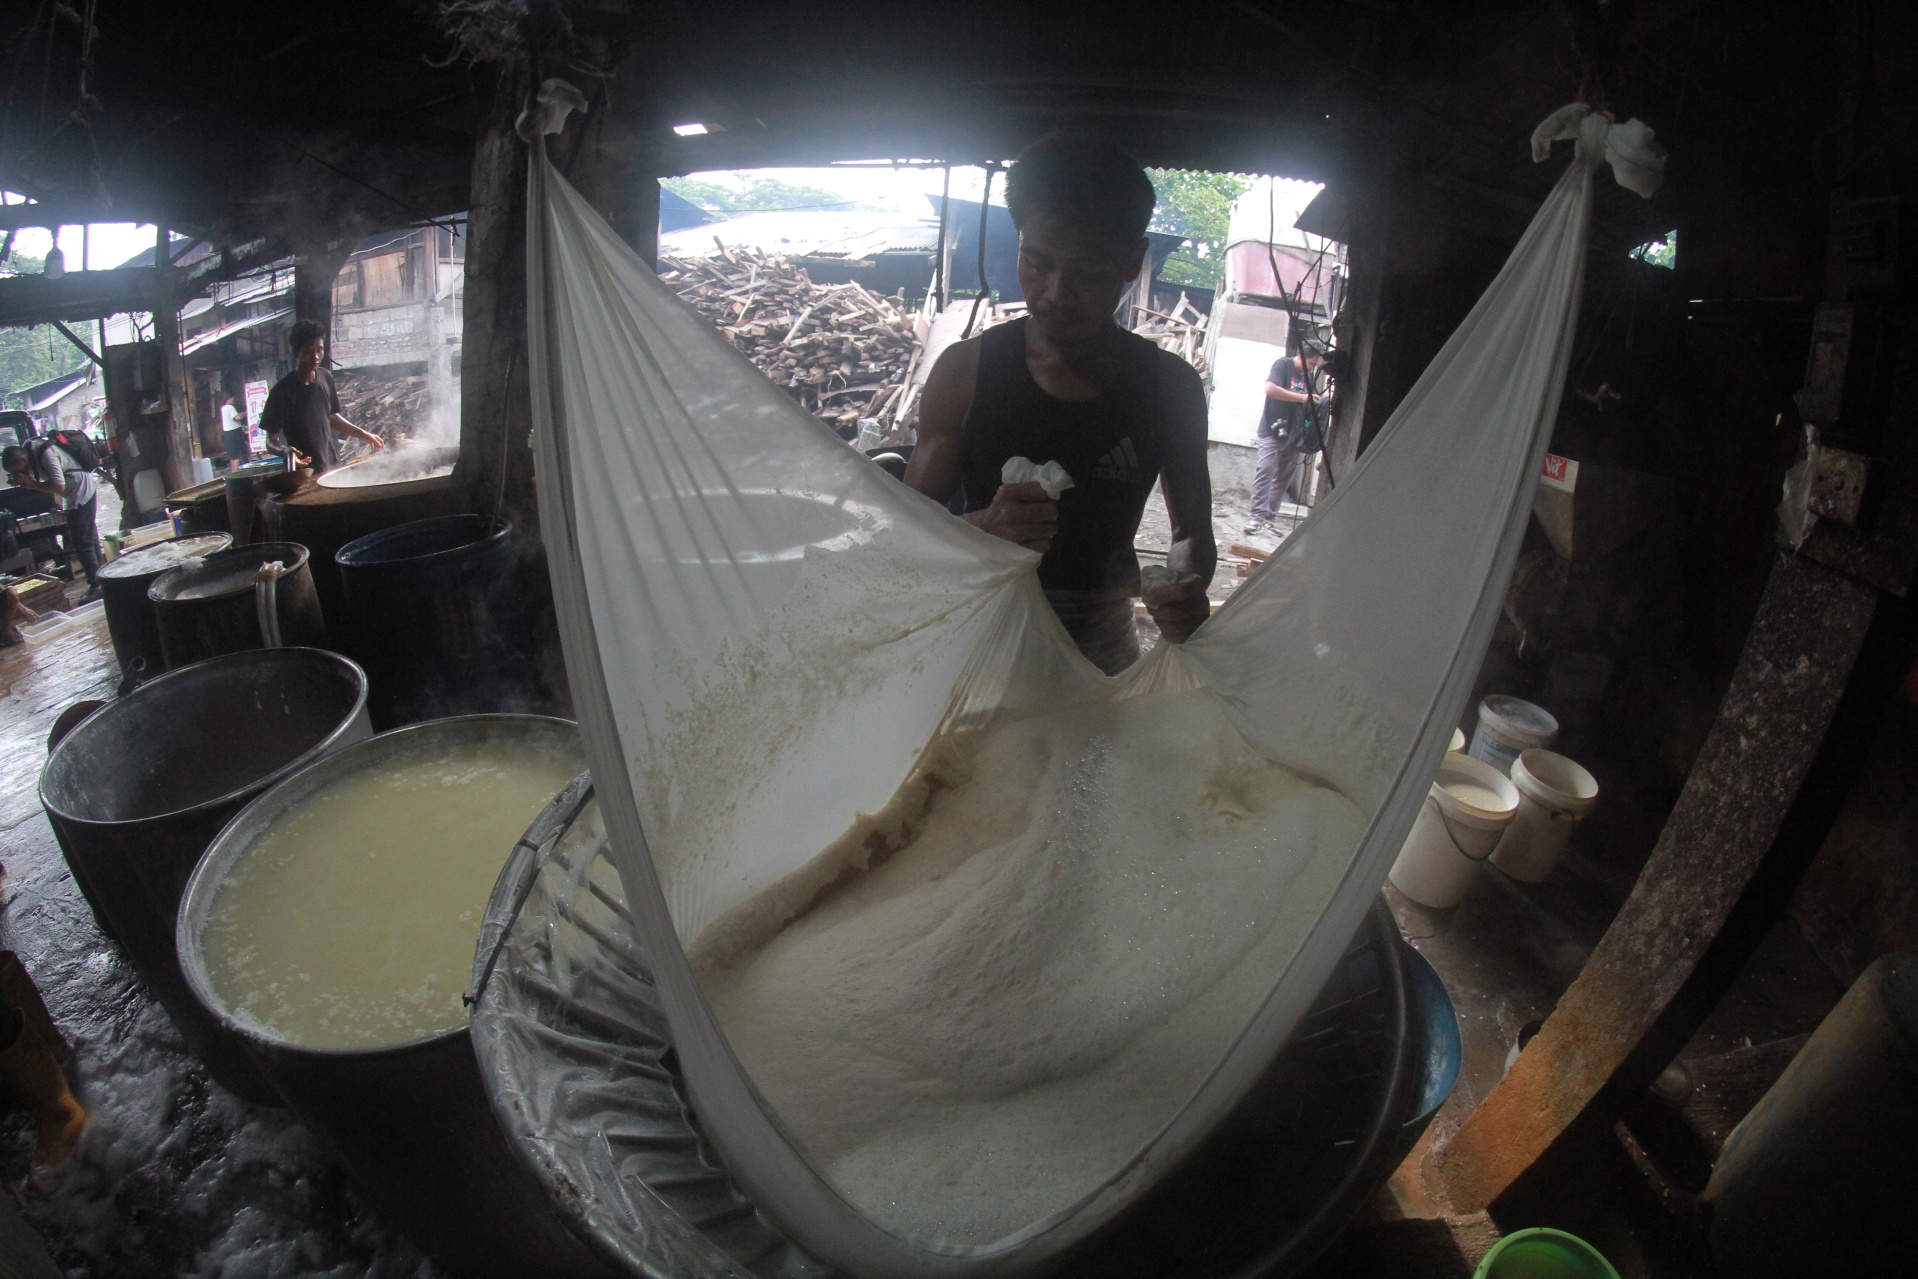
139,789
124,583
216,606
410,1121
433,615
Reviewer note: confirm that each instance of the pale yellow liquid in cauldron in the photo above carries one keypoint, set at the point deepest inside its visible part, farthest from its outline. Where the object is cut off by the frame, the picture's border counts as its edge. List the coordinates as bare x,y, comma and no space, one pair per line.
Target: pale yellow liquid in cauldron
352,922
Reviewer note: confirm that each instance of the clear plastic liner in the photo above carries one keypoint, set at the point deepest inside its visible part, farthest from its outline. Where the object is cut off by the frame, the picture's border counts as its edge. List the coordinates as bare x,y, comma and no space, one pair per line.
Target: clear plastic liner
575,1049
763,631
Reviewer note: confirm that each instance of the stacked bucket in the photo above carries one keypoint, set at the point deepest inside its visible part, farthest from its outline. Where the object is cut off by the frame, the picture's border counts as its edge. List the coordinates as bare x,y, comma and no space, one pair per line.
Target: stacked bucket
1508,800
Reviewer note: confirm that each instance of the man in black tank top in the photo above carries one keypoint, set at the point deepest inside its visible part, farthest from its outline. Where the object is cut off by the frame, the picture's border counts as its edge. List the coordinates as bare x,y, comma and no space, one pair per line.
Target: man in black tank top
1066,384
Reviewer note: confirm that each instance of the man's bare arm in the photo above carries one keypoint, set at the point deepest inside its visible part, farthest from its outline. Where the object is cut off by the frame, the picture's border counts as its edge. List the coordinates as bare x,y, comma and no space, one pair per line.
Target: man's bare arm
1273,391
1186,481
343,427
1019,513
934,469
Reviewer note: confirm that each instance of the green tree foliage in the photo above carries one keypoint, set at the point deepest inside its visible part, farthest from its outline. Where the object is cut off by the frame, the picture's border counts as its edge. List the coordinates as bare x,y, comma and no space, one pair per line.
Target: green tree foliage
29,356
1198,206
759,196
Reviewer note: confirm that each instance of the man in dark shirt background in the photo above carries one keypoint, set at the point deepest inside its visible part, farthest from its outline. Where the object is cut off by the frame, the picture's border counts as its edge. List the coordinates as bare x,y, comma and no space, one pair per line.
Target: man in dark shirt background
302,412
1290,429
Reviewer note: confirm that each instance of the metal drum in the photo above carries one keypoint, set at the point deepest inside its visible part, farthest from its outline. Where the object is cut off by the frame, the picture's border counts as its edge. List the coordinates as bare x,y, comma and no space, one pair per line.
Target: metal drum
225,604
327,515
138,790
202,508
433,614
246,486
124,583
576,1053
410,1121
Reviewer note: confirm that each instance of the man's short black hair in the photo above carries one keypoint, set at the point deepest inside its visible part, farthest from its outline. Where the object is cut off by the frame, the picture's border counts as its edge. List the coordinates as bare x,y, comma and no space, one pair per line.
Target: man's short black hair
14,458
1084,180
304,331
1310,347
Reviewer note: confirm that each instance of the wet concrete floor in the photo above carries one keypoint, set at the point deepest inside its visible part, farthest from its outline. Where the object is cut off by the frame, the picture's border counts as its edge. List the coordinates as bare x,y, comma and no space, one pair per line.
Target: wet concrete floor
174,1176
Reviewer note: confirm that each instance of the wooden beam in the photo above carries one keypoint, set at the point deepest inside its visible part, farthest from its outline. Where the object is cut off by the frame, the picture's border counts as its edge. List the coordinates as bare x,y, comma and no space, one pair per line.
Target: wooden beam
1794,668
75,338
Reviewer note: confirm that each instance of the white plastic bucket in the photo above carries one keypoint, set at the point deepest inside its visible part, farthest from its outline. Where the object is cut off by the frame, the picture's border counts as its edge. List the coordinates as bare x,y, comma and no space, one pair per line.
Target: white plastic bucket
1458,741
1467,810
1554,794
1509,725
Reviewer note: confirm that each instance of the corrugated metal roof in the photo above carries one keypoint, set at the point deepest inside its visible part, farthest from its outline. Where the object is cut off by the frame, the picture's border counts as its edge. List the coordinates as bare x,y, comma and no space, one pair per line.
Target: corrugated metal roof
809,233
60,389
211,336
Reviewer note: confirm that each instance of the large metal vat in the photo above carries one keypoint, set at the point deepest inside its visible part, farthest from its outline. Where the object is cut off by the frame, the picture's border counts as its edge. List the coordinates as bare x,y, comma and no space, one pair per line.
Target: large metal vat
224,605
201,508
139,789
401,465
326,516
410,1121
575,1050
124,583
433,615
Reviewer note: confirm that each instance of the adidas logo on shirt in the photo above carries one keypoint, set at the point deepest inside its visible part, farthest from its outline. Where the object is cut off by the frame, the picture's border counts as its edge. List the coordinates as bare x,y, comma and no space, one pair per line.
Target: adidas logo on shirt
1122,463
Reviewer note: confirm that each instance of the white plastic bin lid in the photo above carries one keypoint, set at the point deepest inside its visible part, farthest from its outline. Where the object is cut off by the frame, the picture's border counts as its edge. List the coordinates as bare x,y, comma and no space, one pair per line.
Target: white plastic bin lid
1518,718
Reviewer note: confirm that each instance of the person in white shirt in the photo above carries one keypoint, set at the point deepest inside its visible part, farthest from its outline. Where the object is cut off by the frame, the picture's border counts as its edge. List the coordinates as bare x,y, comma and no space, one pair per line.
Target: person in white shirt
46,467
233,431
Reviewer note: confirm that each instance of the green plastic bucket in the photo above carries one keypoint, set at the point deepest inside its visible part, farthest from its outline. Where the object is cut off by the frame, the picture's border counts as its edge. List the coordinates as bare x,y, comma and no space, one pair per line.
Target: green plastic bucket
1541,1253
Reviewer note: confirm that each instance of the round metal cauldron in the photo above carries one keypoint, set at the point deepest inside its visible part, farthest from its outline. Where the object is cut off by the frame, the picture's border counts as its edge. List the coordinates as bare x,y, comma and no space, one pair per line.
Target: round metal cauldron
139,789
224,605
566,1012
410,1121
433,616
401,465
124,583
325,517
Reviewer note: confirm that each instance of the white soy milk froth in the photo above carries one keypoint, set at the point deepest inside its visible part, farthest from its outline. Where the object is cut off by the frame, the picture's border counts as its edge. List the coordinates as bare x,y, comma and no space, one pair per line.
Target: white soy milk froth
981,1029
352,922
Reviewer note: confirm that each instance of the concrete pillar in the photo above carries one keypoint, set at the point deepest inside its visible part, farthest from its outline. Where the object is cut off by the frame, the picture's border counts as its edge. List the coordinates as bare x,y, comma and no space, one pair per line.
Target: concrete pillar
317,266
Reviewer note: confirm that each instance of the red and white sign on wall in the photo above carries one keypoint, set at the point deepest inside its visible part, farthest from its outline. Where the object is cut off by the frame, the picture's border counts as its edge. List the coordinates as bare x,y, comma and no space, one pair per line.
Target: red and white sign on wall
255,406
1559,473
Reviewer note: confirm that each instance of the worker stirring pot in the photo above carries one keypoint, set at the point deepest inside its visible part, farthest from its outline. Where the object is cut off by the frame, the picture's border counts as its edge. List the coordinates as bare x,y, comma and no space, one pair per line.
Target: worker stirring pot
302,413
1066,384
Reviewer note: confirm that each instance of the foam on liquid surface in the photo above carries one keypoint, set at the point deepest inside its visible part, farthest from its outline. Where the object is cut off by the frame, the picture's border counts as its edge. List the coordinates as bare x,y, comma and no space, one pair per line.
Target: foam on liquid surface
352,921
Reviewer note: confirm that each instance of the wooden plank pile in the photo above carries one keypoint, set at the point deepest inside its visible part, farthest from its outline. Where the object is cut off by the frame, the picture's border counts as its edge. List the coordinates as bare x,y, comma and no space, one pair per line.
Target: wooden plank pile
1182,332
840,351
387,404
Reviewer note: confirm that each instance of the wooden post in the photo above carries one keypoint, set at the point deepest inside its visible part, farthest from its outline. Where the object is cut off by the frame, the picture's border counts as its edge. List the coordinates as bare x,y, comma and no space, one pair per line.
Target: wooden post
496,416
180,451
1368,249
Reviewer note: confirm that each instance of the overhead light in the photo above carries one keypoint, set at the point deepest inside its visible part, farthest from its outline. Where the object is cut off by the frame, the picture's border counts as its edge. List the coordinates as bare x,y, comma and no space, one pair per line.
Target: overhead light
689,130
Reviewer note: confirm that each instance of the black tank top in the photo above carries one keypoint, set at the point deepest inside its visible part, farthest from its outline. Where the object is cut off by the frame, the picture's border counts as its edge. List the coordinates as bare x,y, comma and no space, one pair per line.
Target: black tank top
1112,446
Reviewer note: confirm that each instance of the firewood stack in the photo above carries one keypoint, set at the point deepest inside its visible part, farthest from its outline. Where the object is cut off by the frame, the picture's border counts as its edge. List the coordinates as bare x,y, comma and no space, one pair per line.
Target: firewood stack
388,404
841,352
1181,332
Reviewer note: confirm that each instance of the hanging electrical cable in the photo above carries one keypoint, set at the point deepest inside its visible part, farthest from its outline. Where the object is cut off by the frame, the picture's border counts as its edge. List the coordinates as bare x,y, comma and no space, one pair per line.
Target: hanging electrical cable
985,209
